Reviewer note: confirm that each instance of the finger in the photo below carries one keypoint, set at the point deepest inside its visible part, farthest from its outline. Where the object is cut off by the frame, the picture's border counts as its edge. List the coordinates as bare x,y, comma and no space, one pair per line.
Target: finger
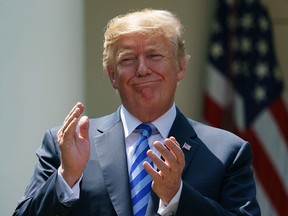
174,161
165,151
161,165
175,149
76,112
67,135
84,127
71,120
151,171
67,124
79,106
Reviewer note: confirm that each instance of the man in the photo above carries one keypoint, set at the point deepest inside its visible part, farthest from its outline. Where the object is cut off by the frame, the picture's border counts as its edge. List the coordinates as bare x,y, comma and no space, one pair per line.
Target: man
86,167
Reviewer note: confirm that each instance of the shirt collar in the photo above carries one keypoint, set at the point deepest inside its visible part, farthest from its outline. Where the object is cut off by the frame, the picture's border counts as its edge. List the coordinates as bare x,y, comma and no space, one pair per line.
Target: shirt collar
163,123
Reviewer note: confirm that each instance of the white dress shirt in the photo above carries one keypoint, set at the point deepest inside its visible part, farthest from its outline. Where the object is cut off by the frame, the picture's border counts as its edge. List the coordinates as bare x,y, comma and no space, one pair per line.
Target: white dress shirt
163,124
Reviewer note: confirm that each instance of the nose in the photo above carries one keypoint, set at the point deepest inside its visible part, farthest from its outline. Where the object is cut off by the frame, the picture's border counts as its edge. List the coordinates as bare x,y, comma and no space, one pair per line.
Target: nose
143,68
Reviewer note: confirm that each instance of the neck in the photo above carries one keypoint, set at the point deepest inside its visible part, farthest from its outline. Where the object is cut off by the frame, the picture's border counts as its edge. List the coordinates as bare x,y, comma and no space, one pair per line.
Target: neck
147,115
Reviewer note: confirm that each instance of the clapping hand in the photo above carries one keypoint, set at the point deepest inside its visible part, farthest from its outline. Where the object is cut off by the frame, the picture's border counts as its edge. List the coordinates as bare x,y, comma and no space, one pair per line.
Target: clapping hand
167,180
74,145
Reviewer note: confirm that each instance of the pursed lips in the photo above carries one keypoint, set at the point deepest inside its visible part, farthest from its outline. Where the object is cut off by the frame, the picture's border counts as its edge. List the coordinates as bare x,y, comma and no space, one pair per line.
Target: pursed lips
145,81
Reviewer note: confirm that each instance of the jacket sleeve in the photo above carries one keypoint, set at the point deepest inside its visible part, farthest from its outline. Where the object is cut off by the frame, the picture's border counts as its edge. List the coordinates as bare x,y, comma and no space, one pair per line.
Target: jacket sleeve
237,194
40,197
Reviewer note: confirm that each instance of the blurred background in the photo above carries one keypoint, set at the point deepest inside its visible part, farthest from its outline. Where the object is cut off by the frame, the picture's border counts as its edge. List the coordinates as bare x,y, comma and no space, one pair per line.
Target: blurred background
51,57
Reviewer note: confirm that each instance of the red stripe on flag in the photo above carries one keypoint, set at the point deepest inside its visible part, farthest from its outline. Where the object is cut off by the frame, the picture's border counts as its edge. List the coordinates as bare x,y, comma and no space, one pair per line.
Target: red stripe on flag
267,175
212,111
280,114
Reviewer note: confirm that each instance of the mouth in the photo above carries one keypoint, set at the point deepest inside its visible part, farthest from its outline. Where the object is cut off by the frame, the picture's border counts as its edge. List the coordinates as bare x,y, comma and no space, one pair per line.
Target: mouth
146,82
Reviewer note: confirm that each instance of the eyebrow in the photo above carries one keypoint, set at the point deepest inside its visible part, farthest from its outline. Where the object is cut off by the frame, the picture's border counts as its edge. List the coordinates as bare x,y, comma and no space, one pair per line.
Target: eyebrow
126,50
123,52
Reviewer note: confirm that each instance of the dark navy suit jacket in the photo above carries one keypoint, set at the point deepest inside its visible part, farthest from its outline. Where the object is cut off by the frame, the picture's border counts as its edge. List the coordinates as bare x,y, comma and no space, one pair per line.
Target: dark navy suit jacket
217,179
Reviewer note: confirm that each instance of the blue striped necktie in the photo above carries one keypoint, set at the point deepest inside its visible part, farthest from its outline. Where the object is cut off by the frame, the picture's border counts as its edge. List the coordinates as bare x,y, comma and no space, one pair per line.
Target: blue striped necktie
140,181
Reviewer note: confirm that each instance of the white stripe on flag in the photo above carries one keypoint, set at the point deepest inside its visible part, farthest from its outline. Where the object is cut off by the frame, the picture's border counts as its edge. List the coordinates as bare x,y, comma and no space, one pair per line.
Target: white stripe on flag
221,91
273,142
218,87
265,205
239,112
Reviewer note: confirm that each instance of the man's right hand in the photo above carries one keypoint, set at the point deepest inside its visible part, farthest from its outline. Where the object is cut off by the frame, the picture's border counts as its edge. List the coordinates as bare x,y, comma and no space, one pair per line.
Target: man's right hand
74,145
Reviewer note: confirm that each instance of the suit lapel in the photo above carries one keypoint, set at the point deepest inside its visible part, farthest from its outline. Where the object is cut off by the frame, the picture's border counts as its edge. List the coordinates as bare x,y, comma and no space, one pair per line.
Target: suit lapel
111,151
185,135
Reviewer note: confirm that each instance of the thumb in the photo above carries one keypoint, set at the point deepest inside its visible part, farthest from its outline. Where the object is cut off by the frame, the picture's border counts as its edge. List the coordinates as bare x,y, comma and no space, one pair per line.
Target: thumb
84,127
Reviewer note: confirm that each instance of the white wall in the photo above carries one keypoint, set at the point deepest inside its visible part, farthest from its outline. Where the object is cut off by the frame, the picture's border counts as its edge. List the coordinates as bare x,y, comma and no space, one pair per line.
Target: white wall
41,77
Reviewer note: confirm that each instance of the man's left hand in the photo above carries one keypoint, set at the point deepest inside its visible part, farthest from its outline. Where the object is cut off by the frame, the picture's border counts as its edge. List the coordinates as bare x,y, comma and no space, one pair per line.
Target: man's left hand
167,180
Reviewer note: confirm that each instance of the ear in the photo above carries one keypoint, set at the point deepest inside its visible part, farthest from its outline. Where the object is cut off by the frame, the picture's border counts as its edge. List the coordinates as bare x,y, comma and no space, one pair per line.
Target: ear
181,69
112,76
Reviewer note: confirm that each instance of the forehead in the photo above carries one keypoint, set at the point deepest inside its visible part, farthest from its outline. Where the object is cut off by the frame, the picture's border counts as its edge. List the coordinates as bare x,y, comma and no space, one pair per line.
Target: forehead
142,42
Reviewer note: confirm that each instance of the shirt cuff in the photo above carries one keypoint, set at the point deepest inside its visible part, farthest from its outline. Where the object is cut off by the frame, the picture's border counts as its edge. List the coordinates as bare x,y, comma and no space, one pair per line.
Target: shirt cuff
65,194
172,206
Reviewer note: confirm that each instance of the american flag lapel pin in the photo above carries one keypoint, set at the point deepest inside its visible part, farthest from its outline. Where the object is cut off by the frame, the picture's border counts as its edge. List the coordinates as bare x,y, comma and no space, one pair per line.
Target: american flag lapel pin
186,146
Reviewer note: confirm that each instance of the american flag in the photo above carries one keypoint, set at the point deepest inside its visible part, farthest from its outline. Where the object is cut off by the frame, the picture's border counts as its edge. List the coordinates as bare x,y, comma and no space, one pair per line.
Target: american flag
244,94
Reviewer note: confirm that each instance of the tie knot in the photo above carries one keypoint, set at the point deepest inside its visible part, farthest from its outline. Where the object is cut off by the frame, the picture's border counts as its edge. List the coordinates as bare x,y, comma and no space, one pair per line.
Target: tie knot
146,129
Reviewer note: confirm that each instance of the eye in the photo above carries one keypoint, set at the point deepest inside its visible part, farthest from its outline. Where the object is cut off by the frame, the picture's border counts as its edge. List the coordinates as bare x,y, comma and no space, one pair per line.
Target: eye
127,61
155,57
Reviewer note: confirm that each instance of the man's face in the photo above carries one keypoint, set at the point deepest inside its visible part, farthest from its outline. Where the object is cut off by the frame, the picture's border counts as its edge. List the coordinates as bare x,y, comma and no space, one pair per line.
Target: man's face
145,73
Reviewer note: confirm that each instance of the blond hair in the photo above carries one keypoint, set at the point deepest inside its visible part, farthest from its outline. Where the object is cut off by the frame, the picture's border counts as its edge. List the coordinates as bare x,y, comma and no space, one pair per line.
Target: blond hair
148,22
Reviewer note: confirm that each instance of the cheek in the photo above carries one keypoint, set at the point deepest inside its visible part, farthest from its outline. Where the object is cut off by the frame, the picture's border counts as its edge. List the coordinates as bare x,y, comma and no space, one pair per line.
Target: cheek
123,78
124,72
